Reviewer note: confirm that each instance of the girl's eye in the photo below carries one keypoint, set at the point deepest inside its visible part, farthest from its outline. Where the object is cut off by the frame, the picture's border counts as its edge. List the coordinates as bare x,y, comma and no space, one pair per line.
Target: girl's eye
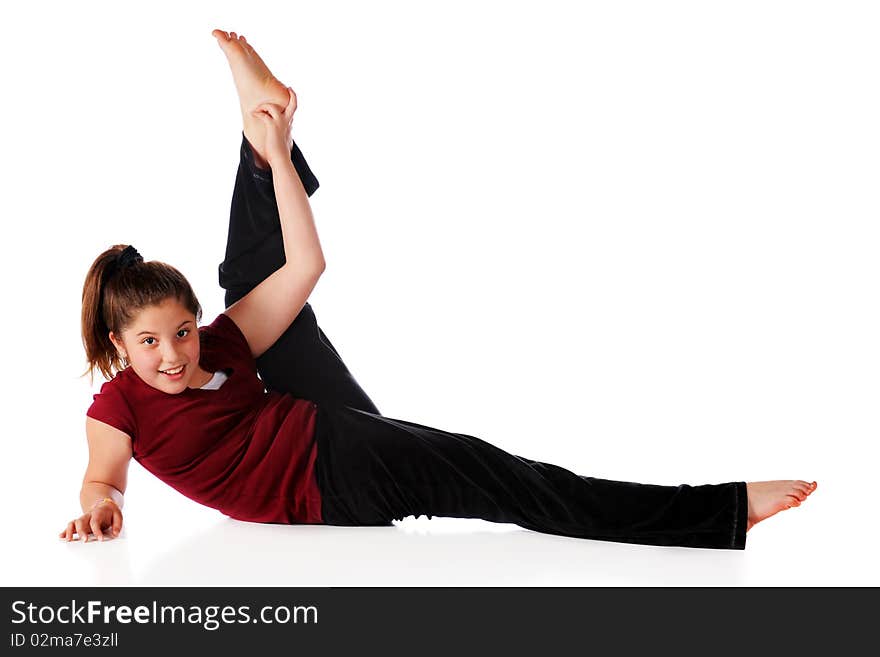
185,331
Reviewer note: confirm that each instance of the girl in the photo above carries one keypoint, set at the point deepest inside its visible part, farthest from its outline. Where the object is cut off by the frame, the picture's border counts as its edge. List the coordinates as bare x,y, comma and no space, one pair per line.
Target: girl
303,443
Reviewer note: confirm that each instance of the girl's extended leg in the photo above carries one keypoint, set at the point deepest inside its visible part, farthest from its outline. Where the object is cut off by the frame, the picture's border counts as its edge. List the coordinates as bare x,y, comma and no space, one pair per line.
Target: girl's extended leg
373,469
303,361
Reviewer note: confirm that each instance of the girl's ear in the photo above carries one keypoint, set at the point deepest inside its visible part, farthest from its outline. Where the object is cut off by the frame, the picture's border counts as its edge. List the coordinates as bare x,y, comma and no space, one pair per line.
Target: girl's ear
119,346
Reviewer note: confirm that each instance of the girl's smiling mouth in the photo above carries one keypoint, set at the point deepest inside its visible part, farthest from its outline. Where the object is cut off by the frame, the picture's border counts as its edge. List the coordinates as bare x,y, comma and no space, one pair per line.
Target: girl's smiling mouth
174,373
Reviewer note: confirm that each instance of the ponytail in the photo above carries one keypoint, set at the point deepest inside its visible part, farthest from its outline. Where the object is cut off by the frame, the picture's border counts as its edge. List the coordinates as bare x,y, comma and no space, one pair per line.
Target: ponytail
118,286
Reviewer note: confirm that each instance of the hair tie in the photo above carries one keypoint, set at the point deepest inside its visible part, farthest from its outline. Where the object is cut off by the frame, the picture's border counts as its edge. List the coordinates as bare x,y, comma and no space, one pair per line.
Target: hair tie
126,258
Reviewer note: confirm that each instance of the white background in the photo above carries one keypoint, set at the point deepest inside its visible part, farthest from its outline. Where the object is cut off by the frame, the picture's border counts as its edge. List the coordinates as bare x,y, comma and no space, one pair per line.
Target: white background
635,239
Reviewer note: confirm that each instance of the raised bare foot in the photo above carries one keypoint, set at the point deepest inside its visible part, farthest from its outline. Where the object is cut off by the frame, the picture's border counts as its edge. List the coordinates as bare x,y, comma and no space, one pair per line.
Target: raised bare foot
255,85
767,498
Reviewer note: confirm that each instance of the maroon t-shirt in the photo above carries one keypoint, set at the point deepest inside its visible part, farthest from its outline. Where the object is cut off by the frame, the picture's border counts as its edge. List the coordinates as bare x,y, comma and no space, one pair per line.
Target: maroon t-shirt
239,449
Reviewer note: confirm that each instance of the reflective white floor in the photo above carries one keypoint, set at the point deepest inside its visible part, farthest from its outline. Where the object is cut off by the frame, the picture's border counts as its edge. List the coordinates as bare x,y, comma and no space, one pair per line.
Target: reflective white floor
208,549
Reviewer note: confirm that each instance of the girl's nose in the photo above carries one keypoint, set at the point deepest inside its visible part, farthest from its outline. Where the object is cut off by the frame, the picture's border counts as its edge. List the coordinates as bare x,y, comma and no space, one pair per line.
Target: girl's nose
170,357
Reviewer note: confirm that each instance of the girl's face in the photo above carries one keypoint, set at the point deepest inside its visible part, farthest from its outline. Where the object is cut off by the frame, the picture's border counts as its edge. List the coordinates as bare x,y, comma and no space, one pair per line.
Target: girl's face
161,338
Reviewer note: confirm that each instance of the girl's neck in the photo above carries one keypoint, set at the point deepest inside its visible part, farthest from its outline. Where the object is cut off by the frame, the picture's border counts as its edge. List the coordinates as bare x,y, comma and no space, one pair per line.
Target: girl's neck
201,378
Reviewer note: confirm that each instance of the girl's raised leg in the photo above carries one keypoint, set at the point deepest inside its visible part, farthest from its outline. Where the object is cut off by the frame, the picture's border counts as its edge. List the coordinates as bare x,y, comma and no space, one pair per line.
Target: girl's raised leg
303,361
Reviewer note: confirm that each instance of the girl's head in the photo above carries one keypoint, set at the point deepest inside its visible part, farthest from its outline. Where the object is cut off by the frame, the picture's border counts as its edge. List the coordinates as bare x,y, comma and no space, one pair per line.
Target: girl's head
142,314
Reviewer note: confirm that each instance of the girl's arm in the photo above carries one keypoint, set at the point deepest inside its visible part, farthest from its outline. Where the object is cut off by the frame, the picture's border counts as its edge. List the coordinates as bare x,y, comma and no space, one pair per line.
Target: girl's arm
268,310
106,476
107,472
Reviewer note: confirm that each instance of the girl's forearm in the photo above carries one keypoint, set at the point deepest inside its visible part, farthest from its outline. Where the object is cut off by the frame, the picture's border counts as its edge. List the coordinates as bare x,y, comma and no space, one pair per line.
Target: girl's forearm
93,491
302,247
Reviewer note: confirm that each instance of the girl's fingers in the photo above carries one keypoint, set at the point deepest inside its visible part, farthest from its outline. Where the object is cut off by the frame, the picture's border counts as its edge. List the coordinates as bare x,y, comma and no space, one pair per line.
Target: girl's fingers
96,528
81,530
273,110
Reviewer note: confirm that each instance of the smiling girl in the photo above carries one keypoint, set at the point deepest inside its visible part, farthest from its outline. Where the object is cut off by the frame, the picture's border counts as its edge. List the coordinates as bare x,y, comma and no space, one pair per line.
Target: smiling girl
256,415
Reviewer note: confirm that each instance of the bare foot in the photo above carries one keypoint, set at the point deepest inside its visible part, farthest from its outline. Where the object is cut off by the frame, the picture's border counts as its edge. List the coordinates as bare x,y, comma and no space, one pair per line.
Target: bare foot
255,85
767,498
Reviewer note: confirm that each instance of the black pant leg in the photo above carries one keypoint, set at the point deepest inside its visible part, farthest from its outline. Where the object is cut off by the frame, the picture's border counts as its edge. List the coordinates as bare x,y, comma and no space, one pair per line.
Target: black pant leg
302,361
373,469
254,246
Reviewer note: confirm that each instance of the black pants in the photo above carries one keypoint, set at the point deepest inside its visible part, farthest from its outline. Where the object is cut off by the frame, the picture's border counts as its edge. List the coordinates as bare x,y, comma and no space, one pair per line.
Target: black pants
302,361
373,469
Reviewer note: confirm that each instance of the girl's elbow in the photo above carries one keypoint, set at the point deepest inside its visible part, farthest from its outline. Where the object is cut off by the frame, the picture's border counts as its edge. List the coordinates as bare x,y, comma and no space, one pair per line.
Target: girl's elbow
314,266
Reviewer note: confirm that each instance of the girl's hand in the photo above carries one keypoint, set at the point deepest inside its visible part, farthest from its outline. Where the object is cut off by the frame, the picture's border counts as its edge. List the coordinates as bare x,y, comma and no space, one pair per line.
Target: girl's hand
104,516
277,120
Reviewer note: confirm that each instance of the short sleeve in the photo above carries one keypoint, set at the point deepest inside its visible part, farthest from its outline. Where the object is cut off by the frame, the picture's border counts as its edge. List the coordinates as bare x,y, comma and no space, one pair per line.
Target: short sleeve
224,335
109,406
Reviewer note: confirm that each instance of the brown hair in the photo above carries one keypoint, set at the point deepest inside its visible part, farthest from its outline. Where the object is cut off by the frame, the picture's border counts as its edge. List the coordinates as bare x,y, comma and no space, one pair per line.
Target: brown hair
112,296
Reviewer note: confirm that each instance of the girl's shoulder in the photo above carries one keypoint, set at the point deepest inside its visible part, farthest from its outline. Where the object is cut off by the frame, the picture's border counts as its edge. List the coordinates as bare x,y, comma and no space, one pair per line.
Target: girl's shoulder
222,340
111,406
